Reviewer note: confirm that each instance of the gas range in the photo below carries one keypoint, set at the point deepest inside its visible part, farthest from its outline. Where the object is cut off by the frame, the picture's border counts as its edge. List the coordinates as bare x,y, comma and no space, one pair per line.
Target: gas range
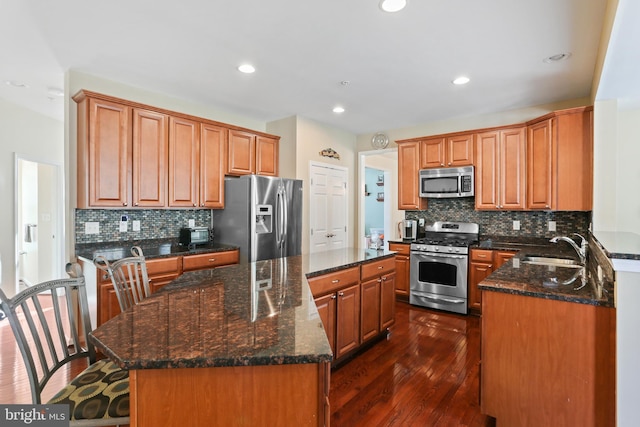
447,237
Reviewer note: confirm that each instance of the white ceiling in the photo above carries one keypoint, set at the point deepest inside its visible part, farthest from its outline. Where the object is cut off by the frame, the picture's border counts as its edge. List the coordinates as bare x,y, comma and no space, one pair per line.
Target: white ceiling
399,66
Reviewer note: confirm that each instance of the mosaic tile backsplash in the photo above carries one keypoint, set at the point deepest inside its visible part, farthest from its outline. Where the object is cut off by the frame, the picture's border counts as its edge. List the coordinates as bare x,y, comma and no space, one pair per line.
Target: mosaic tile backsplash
154,223
500,223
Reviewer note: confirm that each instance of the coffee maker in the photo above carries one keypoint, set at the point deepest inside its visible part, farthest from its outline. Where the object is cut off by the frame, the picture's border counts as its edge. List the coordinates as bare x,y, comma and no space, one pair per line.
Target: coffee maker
409,229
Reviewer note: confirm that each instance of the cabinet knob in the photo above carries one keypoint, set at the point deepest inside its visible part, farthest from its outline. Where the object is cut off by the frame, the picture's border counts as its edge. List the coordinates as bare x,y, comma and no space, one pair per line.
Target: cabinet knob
124,203
341,294
195,204
379,280
333,296
202,204
136,203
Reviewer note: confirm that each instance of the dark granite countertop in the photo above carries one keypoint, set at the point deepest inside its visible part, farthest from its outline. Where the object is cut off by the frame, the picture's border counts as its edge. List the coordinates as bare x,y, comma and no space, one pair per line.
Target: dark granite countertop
541,281
259,313
152,248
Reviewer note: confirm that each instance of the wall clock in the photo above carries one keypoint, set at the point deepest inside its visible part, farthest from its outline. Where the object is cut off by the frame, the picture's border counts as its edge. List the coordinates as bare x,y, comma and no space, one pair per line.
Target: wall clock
380,141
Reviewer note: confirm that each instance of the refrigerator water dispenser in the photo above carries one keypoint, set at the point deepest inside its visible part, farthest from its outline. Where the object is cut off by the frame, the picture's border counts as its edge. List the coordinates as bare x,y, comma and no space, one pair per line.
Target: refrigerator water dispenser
263,219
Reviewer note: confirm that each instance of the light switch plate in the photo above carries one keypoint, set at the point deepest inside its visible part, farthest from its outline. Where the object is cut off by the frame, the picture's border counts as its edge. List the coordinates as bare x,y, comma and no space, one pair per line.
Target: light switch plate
192,223
136,225
552,226
516,225
123,226
91,228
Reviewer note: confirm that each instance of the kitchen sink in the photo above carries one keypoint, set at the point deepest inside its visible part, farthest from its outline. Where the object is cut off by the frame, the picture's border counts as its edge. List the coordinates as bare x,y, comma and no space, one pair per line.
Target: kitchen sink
556,262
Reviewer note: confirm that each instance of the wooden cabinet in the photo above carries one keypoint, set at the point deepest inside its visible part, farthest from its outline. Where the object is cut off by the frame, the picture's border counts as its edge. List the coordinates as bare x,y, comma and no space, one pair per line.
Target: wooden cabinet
482,263
451,151
337,297
149,161
103,153
248,153
408,169
209,260
213,140
560,161
184,162
377,297
546,362
403,269
500,169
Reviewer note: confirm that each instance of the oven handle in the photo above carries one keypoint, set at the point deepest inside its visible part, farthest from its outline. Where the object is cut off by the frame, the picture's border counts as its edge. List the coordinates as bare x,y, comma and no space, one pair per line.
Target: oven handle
441,299
438,255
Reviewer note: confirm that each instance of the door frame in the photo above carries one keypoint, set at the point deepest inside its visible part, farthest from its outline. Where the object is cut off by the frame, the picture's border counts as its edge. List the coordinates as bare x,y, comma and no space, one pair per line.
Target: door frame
344,169
59,227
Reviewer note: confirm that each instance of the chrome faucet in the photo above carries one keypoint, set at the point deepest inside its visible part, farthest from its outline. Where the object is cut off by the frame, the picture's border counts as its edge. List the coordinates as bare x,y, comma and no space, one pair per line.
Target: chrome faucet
581,250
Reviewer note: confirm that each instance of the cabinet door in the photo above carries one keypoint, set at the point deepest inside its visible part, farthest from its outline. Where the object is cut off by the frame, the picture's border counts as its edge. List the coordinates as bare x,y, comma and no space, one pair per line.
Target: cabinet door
347,320
109,154
370,309
501,257
212,144
432,153
574,167
477,273
512,169
109,306
149,158
326,306
408,185
241,153
487,170
403,267
387,301
460,150
184,164
267,156
539,165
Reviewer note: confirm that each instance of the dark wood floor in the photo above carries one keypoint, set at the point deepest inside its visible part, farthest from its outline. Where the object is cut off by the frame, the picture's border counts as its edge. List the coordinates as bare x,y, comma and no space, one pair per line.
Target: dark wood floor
424,375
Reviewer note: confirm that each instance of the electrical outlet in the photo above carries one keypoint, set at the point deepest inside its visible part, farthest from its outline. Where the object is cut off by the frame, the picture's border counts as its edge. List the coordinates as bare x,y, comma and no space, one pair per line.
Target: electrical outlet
421,222
192,223
516,225
136,225
91,228
552,226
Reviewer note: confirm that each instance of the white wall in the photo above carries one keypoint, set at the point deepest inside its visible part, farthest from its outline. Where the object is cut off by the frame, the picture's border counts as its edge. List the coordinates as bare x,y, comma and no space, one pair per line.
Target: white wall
286,128
628,172
37,137
605,142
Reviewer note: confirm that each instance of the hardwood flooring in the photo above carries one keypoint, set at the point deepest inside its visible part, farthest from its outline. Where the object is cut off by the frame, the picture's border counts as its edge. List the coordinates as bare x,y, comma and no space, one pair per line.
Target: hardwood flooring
425,375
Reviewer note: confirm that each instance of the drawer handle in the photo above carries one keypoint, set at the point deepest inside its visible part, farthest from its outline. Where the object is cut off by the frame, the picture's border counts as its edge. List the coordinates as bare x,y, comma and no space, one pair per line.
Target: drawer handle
335,281
380,267
212,260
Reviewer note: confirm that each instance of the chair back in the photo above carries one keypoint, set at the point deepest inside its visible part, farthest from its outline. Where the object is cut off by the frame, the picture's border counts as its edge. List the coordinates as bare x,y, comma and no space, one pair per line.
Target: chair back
129,277
50,322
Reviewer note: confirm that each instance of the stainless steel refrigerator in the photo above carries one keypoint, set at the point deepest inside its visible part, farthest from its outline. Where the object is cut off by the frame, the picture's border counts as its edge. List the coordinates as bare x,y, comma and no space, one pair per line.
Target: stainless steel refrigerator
262,215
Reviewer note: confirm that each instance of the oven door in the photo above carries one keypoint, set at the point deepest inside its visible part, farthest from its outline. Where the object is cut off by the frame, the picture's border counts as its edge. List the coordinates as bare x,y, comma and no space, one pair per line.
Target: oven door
440,274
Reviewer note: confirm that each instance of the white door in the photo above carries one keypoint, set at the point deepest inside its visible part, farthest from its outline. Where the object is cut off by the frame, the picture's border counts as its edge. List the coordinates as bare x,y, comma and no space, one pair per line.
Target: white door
328,207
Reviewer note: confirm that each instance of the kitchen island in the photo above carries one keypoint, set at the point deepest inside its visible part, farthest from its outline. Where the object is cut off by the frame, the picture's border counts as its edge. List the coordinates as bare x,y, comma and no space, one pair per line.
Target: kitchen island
233,346
548,341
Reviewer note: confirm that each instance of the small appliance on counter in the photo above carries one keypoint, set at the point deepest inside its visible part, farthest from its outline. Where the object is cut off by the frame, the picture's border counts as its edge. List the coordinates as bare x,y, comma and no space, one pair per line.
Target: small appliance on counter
191,236
409,229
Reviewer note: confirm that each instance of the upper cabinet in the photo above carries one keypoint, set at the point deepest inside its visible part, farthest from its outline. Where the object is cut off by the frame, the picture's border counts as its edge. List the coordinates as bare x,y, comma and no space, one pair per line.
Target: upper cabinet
500,169
452,151
248,153
408,168
560,161
134,155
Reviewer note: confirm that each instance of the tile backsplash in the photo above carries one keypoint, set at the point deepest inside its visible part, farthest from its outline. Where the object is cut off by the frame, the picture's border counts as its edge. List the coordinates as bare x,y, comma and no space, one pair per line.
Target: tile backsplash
154,223
500,223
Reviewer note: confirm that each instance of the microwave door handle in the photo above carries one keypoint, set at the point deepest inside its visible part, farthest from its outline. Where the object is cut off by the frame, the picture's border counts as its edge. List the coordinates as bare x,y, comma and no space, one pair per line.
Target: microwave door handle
459,184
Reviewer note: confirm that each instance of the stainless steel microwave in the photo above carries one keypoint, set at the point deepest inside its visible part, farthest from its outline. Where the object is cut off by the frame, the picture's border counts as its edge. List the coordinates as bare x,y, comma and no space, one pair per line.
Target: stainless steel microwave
447,182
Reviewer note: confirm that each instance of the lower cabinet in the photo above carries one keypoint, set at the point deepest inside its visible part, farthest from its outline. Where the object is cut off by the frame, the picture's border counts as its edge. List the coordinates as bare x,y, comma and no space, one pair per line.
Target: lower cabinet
209,260
482,263
403,270
355,304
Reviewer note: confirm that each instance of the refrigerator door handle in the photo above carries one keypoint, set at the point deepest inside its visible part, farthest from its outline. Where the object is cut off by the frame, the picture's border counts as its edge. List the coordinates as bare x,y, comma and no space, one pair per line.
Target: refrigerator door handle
279,218
285,216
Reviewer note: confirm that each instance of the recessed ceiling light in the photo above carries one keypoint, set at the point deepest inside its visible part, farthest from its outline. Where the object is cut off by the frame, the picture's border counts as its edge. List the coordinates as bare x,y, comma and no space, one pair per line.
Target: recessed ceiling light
557,57
393,5
247,68
461,80
16,83
338,109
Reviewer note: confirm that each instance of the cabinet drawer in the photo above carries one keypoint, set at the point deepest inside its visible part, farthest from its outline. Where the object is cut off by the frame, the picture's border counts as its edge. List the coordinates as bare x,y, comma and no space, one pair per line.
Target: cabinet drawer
209,260
482,255
330,282
401,248
163,266
378,268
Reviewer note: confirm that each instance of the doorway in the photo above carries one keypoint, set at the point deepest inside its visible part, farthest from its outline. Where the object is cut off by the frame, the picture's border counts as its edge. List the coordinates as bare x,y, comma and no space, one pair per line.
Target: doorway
39,221
379,195
328,212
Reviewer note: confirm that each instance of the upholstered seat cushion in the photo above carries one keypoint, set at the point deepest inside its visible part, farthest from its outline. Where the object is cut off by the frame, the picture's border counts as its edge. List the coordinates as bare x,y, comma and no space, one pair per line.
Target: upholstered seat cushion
100,391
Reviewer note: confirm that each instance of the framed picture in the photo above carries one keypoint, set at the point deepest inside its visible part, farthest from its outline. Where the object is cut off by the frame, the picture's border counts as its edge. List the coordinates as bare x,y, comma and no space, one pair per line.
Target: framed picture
380,180
380,197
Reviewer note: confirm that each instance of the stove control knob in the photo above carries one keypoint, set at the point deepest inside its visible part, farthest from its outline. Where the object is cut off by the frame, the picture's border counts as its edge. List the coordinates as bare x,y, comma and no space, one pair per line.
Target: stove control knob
436,249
